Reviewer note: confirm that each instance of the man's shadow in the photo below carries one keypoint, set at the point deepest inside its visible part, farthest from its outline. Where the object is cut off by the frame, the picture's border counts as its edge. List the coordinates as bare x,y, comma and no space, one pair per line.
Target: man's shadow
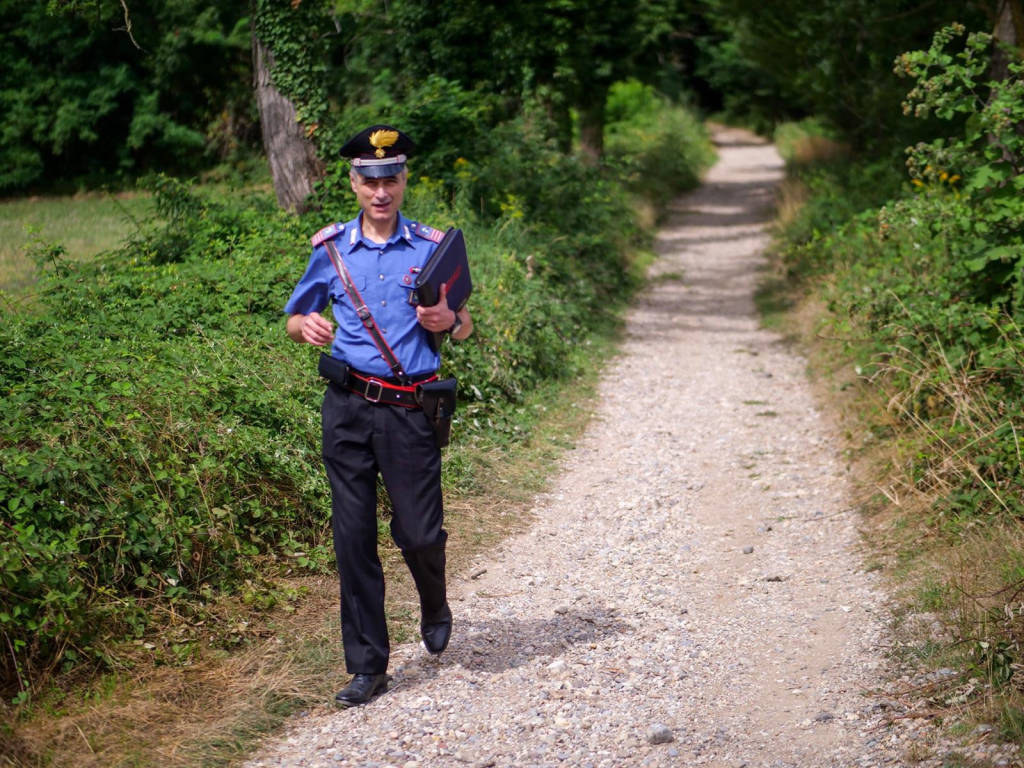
498,644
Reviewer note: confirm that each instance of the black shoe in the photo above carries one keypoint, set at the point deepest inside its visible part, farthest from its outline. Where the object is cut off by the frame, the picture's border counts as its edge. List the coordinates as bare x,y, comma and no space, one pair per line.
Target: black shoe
361,689
437,633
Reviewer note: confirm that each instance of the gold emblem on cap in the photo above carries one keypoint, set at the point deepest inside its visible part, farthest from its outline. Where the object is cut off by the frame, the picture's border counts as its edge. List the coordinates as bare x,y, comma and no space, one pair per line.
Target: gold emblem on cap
381,139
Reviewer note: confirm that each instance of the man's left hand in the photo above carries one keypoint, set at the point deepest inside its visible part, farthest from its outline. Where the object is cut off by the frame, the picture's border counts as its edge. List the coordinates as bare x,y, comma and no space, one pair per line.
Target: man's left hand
438,318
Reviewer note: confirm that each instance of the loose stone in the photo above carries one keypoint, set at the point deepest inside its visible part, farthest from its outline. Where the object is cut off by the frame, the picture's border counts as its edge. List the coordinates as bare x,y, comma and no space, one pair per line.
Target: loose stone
659,734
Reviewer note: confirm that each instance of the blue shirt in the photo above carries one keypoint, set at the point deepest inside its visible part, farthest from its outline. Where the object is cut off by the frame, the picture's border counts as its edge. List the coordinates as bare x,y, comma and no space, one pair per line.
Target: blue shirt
384,274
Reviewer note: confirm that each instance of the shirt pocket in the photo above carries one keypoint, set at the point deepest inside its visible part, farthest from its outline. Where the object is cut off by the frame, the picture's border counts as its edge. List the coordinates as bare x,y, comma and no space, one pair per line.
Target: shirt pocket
401,288
337,288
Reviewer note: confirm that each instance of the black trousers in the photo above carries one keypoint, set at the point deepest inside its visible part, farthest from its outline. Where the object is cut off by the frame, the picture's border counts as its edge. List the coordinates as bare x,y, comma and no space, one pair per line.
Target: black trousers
360,441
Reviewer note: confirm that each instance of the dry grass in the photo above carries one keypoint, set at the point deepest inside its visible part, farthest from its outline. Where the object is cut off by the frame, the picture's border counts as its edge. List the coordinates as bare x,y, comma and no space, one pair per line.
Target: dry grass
811,149
981,595
790,197
801,150
166,716
805,143
215,711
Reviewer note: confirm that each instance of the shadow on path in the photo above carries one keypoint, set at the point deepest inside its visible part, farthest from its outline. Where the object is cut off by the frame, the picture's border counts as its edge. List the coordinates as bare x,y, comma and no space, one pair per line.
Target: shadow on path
496,645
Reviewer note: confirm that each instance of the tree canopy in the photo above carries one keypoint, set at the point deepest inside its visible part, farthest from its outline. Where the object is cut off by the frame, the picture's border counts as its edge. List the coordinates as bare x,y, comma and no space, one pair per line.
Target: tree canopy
99,90
82,100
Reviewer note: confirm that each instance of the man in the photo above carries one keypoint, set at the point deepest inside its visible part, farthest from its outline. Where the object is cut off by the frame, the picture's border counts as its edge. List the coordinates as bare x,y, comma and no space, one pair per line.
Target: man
371,419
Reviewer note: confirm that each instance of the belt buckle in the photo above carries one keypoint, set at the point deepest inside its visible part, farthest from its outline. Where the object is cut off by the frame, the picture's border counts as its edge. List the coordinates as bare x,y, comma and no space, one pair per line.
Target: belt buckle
380,390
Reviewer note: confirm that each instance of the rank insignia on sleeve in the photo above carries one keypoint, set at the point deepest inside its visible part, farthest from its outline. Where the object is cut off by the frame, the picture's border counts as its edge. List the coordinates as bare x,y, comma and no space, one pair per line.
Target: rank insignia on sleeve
429,233
327,233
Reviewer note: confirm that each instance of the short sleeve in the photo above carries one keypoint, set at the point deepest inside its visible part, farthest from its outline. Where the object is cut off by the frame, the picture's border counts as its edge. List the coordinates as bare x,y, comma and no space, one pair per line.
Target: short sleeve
311,294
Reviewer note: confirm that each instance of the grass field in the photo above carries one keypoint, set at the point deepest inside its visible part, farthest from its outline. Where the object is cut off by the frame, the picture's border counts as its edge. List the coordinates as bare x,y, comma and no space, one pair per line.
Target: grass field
83,224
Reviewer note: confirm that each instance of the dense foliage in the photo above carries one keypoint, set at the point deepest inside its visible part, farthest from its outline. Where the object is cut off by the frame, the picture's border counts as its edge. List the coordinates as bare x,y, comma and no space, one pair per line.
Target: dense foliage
84,102
831,60
97,89
567,54
924,277
159,433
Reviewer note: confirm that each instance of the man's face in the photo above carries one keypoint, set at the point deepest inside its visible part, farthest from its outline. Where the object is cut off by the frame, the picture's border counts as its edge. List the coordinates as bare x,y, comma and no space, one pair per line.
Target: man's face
381,198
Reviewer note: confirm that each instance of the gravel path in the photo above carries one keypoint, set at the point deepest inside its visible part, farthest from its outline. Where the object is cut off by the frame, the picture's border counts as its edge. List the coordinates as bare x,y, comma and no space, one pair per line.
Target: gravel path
691,593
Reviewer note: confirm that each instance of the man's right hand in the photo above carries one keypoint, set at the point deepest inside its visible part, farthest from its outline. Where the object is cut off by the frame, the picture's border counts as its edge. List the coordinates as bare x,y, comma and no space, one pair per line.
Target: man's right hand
313,329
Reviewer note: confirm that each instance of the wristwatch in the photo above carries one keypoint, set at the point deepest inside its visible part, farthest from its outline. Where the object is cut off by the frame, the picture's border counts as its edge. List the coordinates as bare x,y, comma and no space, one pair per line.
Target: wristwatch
456,325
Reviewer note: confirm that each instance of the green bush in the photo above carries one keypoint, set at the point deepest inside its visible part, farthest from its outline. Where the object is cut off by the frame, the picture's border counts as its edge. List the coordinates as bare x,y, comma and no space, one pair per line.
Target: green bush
659,149
929,287
152,438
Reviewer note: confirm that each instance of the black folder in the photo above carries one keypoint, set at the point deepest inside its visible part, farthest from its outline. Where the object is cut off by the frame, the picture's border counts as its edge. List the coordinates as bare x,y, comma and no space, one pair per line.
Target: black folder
448,265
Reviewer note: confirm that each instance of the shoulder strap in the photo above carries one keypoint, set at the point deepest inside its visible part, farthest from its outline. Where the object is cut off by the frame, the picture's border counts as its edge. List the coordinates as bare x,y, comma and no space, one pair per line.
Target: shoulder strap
331,230
364,313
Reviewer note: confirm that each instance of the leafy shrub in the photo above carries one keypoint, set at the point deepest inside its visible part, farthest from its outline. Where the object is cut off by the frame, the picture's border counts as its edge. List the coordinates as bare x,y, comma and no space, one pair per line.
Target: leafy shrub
984,162
148,450
945,260
659,149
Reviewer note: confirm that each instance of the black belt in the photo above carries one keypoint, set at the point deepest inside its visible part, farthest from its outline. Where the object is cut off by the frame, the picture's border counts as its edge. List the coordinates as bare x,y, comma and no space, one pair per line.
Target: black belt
377,389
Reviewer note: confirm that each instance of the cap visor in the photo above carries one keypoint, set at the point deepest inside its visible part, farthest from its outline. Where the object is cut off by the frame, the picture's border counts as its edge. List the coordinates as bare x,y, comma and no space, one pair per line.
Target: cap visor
379,171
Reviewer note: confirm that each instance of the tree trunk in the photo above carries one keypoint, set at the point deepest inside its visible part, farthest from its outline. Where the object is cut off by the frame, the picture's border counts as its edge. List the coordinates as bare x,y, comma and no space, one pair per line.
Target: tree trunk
1009,30
561,118
294,166
591,115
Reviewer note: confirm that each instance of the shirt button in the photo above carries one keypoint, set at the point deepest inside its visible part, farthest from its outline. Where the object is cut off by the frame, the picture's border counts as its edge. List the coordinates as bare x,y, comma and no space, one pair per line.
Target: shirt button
381,276
384,303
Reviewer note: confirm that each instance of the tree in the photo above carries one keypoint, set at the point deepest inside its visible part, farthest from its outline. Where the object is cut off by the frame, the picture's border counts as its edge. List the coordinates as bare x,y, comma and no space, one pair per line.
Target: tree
1009,30
101,87
592,46
564,52
80,98
289,66
834,58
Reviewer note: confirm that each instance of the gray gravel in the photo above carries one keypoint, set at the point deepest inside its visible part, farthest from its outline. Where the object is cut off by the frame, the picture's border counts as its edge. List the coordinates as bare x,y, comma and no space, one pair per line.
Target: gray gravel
692,593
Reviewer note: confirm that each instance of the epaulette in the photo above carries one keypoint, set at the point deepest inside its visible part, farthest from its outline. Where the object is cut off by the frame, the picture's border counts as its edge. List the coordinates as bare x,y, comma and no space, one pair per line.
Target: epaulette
331,230
427,233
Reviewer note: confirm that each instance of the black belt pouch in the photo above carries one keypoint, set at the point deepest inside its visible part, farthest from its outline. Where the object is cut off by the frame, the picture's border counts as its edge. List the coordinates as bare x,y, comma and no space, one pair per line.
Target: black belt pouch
438,401
332,369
